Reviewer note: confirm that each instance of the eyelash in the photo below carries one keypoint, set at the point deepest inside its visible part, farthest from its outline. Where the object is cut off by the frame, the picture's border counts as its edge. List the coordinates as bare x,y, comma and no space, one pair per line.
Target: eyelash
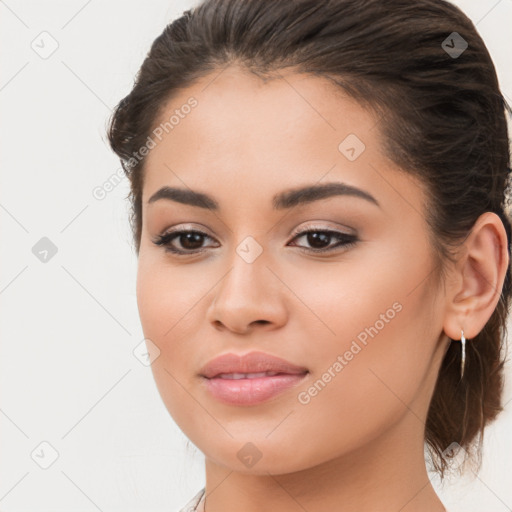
165,240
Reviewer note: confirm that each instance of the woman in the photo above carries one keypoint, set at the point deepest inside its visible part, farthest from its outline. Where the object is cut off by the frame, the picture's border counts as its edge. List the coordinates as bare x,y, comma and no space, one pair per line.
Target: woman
318,206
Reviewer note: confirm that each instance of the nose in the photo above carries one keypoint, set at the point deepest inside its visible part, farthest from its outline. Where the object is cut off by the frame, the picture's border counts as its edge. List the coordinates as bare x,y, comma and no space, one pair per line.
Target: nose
248,295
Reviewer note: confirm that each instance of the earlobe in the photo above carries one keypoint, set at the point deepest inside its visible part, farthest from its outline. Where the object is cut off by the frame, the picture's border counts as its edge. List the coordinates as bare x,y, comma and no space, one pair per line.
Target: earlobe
481,271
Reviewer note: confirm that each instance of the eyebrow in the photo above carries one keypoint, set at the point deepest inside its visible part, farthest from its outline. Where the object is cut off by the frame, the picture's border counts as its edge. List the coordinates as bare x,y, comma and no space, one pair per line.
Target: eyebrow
283,200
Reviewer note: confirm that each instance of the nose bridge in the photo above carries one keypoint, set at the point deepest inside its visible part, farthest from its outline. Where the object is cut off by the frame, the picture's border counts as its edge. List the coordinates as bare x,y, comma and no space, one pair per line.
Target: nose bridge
248,276
249,292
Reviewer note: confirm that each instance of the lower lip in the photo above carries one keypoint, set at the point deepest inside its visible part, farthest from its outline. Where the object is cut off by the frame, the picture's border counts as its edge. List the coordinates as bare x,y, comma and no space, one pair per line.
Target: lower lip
251,391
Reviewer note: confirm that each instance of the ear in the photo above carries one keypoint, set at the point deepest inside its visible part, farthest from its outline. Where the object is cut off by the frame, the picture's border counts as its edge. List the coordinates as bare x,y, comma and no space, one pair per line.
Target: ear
477,279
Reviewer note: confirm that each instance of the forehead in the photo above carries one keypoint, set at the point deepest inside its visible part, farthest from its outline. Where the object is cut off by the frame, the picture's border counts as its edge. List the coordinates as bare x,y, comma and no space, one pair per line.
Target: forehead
246,137
233,105
239,119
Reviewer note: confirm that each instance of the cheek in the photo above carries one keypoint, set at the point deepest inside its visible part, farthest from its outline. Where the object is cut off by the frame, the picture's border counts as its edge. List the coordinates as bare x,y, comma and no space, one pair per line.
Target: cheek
378,293
164,301
373,335
166,296
167,300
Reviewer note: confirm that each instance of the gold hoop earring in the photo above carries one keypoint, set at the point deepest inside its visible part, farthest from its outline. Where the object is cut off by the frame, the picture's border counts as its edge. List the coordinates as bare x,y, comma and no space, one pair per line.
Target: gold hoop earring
463,359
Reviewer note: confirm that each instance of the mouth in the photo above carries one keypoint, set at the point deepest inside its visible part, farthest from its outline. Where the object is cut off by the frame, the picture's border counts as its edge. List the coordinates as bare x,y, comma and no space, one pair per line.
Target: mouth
250,378
239,376
244,389
250,364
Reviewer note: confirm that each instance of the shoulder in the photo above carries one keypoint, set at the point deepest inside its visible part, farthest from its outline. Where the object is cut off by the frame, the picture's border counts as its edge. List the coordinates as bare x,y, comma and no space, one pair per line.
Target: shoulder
192,504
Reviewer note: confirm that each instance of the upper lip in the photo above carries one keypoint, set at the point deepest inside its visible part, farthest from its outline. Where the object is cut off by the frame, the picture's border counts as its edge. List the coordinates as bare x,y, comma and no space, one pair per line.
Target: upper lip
253,362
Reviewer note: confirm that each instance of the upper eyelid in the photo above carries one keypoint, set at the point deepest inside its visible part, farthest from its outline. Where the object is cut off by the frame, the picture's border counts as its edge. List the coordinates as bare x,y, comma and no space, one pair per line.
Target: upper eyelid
314,227
296,233
318,227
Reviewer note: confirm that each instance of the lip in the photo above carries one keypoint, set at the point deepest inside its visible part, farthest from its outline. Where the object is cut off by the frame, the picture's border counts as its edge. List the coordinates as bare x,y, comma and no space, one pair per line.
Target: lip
250,391
253,362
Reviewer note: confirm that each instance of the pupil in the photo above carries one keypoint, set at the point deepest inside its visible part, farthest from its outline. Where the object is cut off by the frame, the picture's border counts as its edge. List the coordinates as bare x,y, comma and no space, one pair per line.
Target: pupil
194,240
315,238
189,239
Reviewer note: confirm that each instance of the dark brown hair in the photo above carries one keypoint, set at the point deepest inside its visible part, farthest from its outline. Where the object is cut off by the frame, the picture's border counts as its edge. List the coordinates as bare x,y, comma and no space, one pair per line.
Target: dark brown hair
442,118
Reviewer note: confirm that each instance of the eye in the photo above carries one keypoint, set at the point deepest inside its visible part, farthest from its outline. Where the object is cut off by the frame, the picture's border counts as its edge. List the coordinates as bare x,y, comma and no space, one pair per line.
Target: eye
321,239
191,241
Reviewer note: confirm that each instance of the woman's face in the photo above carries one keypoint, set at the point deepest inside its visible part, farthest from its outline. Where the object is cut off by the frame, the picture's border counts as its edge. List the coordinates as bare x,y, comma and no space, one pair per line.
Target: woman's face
364,318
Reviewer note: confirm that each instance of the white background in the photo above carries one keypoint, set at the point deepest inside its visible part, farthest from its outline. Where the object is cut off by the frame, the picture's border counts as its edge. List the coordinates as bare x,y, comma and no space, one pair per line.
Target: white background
68,375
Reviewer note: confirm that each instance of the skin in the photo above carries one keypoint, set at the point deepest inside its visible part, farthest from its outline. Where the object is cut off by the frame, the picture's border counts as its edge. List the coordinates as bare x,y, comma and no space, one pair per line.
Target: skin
359,441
